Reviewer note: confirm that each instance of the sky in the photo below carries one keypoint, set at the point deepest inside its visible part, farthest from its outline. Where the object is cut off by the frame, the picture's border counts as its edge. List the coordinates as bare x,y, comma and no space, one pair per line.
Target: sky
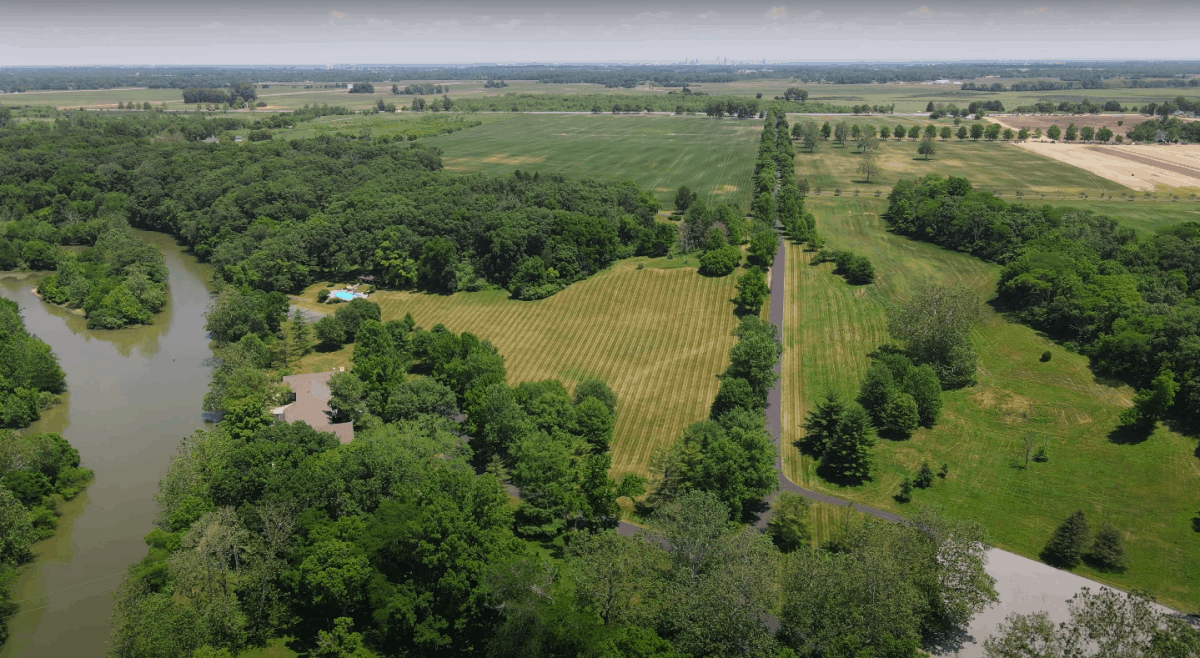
308,32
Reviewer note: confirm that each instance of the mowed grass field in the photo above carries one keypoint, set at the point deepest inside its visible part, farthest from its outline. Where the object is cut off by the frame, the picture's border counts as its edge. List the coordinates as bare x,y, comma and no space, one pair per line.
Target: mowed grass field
659,336
998,166
714,157
1147,490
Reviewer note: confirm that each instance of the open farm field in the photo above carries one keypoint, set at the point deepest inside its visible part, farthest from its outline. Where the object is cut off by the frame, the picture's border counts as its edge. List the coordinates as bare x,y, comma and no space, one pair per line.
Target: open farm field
1144,167
1147,490
92,98
714,157
659,336
1000,167
1118,123
914,97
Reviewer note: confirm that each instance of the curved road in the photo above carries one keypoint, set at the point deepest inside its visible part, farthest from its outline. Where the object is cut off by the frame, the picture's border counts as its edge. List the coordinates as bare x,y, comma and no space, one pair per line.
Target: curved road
775,408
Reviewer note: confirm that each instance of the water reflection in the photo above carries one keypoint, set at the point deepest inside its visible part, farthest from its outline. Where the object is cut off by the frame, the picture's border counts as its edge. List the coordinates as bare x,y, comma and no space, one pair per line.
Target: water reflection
133,394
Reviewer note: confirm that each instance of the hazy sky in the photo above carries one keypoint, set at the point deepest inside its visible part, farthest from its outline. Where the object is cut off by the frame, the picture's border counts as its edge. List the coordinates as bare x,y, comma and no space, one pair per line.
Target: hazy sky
54,32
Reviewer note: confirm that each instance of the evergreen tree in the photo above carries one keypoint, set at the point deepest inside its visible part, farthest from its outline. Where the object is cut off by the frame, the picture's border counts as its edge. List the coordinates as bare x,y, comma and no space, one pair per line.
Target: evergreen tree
301,336
847,457
1068,542
821,423
924,477
1108,550
906,487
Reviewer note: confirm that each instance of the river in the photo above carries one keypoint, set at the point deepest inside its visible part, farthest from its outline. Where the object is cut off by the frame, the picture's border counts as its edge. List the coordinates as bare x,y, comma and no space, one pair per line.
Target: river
131,396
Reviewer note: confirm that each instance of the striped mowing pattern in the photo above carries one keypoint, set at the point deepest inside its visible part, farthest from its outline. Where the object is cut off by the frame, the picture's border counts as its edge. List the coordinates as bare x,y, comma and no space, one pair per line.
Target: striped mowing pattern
658,337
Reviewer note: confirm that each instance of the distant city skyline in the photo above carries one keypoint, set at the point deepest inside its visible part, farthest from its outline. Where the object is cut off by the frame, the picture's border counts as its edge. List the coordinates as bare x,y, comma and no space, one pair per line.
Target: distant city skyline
220,32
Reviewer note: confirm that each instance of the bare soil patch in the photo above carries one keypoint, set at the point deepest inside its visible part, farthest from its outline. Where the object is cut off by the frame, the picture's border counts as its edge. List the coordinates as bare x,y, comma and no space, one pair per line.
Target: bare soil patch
504,158
1142,167
725,189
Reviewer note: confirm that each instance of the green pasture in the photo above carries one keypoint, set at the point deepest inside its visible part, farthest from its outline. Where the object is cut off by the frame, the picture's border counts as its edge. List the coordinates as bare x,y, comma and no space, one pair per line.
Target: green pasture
998,166
1147,490
714,157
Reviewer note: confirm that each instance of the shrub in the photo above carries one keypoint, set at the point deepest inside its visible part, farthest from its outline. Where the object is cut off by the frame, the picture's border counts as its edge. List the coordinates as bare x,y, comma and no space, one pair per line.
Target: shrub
944,471
1045,356
924,477
905,495
1041,455
720,261
322,295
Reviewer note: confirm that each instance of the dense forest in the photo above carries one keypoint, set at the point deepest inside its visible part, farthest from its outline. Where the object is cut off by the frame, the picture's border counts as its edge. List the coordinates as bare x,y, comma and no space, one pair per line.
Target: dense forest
1128,301
1083,74
37,471
274,216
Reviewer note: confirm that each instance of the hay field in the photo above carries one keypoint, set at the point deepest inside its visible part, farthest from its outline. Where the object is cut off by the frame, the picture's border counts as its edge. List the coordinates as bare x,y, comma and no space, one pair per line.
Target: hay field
659,336
714,157
1147,490
1000,167
1144,167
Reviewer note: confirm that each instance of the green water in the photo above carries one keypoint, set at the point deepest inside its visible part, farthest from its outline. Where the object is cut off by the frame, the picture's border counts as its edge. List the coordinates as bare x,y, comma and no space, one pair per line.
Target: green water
132,395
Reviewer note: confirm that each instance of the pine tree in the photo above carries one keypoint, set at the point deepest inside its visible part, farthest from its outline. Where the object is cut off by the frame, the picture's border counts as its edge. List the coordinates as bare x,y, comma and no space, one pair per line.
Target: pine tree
301,336
924,477
1108,551
821,423
1068,542
848,457
906,487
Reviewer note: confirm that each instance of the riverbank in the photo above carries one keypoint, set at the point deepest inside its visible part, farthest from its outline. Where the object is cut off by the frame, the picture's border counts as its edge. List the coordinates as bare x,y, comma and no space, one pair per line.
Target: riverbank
132,395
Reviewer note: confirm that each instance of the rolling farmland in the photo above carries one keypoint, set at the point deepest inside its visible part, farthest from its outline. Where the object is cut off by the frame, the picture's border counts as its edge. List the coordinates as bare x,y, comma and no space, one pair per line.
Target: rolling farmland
995,166
658,336
1147,490
714,157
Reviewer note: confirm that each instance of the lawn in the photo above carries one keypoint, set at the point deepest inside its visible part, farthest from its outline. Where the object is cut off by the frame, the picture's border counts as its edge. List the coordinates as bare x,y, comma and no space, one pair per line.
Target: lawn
996,166
658,335
714,157
1147,490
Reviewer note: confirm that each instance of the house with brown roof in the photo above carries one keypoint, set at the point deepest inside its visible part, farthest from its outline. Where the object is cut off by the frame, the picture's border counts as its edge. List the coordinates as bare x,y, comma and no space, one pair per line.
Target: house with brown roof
312,405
